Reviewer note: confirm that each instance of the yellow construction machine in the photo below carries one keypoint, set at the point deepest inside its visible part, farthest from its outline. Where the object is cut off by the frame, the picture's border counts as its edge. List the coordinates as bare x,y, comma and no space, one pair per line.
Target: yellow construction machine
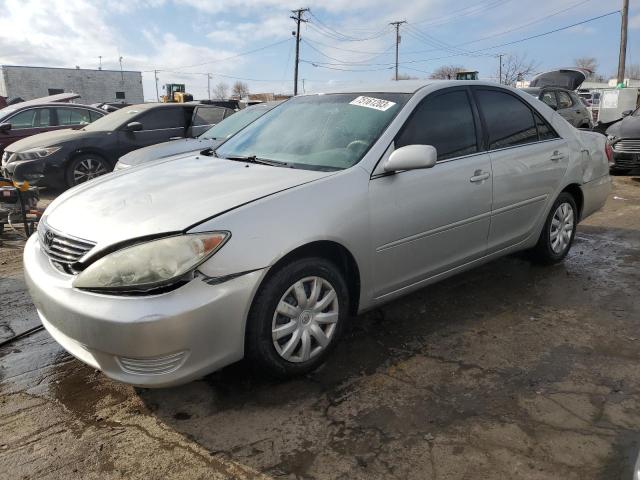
176,93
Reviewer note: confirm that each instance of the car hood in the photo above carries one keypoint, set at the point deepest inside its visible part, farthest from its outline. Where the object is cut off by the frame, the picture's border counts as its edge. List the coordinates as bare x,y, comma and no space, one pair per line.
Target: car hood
569,78
48,139
168,196
628,127
166,149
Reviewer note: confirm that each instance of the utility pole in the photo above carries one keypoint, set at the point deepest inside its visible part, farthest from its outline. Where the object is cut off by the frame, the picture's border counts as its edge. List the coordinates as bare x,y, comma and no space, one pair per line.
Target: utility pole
397,25
209,85
298,18
155,73
623,42
500,55
121,72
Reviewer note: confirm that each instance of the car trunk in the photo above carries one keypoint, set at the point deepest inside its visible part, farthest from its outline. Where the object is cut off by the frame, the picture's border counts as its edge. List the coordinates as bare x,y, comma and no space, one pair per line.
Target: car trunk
569,78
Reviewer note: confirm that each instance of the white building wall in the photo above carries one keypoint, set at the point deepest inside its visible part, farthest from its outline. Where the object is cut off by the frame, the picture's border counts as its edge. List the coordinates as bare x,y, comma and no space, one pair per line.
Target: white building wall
93,86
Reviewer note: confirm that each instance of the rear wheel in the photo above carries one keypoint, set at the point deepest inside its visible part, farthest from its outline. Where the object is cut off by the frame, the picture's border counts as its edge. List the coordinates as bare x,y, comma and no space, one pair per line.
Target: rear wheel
86,167
558,232
297,318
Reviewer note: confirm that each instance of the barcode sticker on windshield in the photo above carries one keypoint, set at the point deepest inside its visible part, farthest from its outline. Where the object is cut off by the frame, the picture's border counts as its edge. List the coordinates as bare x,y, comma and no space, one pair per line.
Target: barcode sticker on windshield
375,103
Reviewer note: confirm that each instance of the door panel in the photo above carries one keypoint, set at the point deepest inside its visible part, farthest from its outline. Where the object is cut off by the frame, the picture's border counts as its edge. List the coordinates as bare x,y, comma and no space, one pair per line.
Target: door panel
523,179
428,221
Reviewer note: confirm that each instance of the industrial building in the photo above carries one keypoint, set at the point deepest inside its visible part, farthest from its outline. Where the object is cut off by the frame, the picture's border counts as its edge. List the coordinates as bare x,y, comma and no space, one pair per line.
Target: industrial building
94,86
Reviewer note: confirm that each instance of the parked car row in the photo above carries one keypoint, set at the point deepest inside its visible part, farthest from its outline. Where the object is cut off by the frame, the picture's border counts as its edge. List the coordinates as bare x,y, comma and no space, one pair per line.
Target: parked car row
325,206
64,158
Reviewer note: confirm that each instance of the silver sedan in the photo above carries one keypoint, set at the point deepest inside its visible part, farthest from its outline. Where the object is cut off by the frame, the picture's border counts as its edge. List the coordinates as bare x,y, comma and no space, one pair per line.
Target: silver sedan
329,205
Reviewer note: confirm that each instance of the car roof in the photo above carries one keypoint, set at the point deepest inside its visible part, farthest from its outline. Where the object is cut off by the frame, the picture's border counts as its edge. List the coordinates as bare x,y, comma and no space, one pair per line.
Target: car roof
400,86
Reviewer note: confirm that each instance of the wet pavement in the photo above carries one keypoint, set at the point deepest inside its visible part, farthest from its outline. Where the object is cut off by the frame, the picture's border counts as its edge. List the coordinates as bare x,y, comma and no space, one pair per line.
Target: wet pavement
511,370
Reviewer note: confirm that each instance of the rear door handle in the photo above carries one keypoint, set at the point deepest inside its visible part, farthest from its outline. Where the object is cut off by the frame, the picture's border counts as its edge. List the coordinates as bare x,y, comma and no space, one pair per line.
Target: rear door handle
556,156
479,176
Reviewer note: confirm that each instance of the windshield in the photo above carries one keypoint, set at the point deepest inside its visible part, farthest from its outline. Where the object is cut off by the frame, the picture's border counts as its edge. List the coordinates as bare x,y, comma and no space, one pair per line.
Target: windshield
236,122
113,120
320,132
6,111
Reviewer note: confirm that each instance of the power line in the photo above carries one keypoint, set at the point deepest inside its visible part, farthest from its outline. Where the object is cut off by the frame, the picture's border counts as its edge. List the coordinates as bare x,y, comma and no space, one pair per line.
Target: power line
242,54
346,62
332,32
465,12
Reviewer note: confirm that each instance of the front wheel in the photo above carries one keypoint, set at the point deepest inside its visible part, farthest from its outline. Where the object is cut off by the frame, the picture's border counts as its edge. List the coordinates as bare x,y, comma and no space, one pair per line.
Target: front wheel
297,318
559,231
86,167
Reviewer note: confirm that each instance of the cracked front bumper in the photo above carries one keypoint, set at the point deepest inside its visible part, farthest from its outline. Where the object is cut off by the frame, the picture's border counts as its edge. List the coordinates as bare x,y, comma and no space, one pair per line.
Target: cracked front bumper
151,341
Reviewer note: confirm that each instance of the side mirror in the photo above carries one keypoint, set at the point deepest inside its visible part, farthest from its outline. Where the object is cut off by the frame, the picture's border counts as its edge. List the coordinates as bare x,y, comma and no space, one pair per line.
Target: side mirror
411,157
5,127
626,113
133,127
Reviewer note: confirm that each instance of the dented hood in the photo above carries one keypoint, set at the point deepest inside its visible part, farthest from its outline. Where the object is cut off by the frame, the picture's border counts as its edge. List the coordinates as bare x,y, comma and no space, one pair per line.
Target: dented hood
569,78
167,196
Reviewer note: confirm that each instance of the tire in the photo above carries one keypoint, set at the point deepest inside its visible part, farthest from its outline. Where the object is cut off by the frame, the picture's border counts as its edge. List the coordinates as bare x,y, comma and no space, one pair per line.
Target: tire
555,239
285,355
86,167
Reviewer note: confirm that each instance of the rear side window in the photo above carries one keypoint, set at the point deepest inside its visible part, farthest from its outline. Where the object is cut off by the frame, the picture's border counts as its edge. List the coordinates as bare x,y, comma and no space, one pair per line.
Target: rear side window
208,116
545,132
73,116
550,99
444,121
162,118
509,120
564,100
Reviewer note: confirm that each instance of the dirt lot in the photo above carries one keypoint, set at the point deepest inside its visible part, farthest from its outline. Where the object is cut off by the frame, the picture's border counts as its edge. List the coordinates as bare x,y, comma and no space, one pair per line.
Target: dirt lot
508,371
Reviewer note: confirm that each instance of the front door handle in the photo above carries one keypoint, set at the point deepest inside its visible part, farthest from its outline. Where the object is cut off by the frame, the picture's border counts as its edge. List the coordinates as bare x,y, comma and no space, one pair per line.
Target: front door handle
556,156
479,176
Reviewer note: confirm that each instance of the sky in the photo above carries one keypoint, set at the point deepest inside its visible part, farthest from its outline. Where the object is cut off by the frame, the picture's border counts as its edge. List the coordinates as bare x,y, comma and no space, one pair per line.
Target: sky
343,41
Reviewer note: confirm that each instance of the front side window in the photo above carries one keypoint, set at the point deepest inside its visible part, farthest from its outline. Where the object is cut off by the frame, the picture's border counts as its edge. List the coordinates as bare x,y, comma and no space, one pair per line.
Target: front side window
320,132
25,119
550,99
564,100
508,119
73,116
444,121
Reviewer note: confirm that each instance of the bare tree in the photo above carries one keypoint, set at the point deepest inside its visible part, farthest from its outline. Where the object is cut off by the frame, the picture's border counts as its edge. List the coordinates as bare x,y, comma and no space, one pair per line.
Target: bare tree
446,72
240,89
516,68
633,71
221,91
591,64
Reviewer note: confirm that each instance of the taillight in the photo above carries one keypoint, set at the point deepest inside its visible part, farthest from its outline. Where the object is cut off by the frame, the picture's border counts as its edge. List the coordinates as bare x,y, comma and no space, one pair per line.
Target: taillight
608,149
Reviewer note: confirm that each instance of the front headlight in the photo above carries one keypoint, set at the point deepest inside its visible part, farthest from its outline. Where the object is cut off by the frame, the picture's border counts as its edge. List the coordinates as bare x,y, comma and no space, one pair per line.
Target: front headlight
151,265
36,153
612,138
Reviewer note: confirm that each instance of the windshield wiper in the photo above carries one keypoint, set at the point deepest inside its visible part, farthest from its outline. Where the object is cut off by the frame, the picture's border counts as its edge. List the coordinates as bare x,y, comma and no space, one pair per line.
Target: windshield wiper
255,159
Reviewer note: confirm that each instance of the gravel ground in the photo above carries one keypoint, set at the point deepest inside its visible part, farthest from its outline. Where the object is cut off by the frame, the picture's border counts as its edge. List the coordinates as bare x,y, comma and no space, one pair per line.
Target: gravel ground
508,371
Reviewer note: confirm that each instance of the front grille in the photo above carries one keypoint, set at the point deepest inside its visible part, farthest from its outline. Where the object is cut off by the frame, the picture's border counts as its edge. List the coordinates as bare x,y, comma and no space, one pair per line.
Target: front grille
631,145
63,250
628,162
154,365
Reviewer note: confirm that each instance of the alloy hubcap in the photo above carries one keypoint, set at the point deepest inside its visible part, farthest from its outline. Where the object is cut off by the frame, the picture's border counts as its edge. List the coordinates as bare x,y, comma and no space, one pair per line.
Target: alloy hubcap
88,169
305,319
561,228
